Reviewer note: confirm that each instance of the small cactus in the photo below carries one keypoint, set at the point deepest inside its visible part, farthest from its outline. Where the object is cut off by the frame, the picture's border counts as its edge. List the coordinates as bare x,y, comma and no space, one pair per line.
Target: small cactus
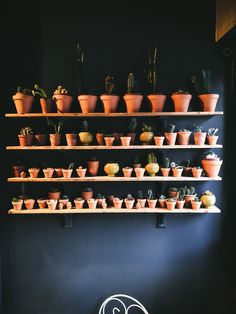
26,131
85,126
109,84
151,158
131,84
166,163
150,194
140,194
146,127
192,190
202,82
171,128
132,125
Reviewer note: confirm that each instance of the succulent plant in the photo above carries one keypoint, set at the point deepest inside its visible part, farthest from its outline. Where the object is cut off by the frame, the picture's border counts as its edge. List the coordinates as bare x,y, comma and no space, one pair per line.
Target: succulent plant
100,196
196,199
202,82
140,194
129,196
151,158
212,131
24,91
198,129
57,125
71,165
39,91
150,194
171,128
146,127
87,189
189,190
210,155
109,84
152,71
184,130
15,199
60,91
26,131
162,197
64,197
181,194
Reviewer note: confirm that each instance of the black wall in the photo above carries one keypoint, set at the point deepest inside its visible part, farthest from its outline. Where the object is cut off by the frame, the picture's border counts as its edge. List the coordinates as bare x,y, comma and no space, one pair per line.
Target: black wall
49,269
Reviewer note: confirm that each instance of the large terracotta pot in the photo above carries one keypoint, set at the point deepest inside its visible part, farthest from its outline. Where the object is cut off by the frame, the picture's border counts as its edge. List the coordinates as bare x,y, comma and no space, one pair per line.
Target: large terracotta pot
170,138
133,102
181,102
86,195
184,138
93,167
211,167
55,139
87,103
71,139
46,105
63,103
209,101
25,140
110,102
199,138
157,102
23,102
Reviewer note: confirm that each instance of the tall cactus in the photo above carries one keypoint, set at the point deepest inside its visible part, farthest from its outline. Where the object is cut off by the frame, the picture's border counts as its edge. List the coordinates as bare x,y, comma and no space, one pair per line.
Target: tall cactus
152,71
80,68
130,83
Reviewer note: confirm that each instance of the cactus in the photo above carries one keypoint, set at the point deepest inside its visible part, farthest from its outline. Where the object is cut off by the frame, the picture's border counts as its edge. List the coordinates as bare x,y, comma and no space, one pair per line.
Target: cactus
146,128
198,129
39,91
171,128
162,197
166,163
15,199
60,91
181,194
152,71
192,190
184,130
187,163
87,190
57,125
151,158
26,131
196,199
85,126
71,165
129,196
131,84
140,194
132,125
202,82
150,194
79,69
212,131
100,196
109,84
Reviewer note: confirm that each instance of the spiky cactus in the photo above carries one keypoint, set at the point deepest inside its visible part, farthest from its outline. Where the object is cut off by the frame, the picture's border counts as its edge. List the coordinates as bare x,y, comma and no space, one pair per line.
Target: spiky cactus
152,158
152,71
131,84
166,163
109,84
202,82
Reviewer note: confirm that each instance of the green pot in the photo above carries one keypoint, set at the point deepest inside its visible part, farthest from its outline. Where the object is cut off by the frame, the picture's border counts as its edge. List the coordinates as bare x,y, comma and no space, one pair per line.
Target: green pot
111,169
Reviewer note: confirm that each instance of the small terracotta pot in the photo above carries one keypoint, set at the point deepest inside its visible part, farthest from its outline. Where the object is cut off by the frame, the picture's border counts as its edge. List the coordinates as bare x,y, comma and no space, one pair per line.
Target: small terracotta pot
177,172
184,138
170,138
129,203
212,139
46,105
110,102
87,103
109,140
85,137
58,172
101,202
196,205
29,203
117,136
162,203
67,173
165,172
63,201
133,137
81,172
196,172
17,205
181,102
87,195
48,172
187,171
111,169
125,140
93,167
117,203
92,203
170,205
52,204
133,102
100,138
54,195
199,138
18,169
110,199
180,204
209,101
79,204
188,199
159,140
63,103
33,172
157,102
139,172
23,102
71,139
127,172
40,139
55,139
25,140
42,203
211,167
152,203
142,202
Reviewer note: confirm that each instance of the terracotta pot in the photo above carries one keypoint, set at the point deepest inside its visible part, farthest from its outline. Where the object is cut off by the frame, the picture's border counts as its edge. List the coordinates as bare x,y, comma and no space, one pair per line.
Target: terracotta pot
55,139
101,202
46,105
184,138
109,140
79,203
117,202
87,195
26,140
125,140
146,137
152,203
87,103
67,173
85,138
18,169
165,172
170,205
92,203
212,139
63,103
170,138
110,102
40,139
209,101
54,195
17,205
48,172
52,204
58,172
133,102
181,102
23,102
117,136
33,172
29,203
127,172
162,203
100,138
93,167
188,199
129,203
42,202
142,202
159,140
71,139
187,171
139,172
81,172
152,168
180,204
63,202
199,138
177,172
196,205
133,137
211,167
157,102
110,199
111,169
196,172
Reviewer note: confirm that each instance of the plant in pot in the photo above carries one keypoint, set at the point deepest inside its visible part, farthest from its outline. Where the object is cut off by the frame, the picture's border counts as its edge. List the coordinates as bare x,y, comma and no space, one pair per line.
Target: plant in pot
17,203
81,172
93,166
173,192
48,172
87,193
184,136
23,100
141,200
189,195
42,202
52,204
33,172
127,171
79,202
18,168
29,203
133,100
208,199
45,102
165,168
71,139
180,200
187,172
197,171
100,137
170,135
162,201
177,170
109,139
132,130
146,137
117,136
92,203
129,201
151,200
67,173
202,84
54,194
152,166
159,139
111,168
212,138
55,138
63,99
109,100
199,136
170,203
85,137
40,137
64,199
196,203
181,100
101,200
117,202
211,164
136,162
26,136
139,172
156,99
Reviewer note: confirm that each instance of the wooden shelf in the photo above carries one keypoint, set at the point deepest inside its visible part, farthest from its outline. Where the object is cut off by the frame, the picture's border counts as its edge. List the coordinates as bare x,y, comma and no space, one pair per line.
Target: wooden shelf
113,115
114,179
112,210
97,147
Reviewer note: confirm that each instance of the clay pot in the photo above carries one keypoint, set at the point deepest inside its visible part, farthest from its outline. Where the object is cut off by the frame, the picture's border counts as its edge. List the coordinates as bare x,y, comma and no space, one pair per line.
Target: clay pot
187,171
146,137
184,138
199,138
86,195
55,139
93,167
54,195
127,172
209,101
177,172
170,138
165,172
25,140
102,203
18,169
133,102
180,204
117,136
162,203
85,138
129,203
63,202
170,204
212,139
23,102
181,102
48,172
63,103
42,203
139,172
157,102
79,203
110,102
67,173
29,203
188,199
100,138
117,202
110,199
71,139
109,140
87,103
17,205
58,172
159,140
40,139
92,203
125,140
33,172
111,169
211,167
52,204
197,172
196,205
142,202
81,172
152,203
46,105
152,168
133,137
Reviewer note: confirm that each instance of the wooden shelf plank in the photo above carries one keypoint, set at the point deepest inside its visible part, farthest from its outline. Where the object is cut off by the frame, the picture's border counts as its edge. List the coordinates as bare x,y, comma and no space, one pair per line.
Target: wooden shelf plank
116,114
97,147
113,179
112,210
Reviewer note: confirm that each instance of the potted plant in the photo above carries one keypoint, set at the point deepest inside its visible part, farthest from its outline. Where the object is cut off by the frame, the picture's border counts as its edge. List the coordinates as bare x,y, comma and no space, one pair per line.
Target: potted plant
139,171
187,169
181,100
152,166
101,200
54,194
127,171
162,201
26,136
52,204
79,202
87,193
196,203
81,172
199,136
18,168
117,136
45,102
173,192
93,166
58,172
180,200
42,202
85,137
141,200
125,140
117,202
159,140
111,168
67,173
48,172
146,137
165,169
17,203
109,100
136,162
64,199
71,139
33,172
177,170
109,139
211,136
202,84
132,130
197,171
62,99
170,203
151,200
100,137
211,164
170,135
55,138
184,136
23,100
29,203
133,100
40,137
129,201
189,195
156,99
208,199
92,203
